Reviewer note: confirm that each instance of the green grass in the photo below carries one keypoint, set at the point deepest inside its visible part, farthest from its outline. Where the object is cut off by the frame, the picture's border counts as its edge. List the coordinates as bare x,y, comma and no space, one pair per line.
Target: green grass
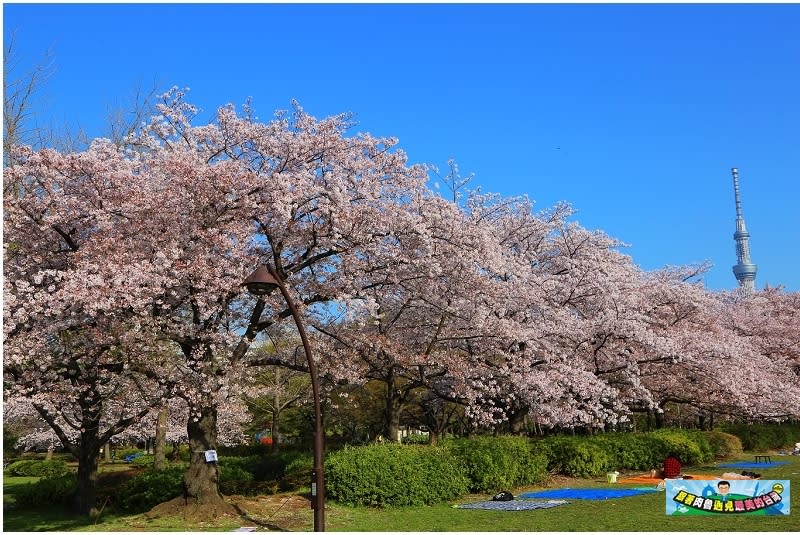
637,513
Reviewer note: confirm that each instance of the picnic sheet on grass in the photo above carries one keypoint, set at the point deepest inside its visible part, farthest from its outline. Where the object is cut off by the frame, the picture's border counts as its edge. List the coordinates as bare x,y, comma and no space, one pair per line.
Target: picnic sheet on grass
749,464
587,494
512,505
646,479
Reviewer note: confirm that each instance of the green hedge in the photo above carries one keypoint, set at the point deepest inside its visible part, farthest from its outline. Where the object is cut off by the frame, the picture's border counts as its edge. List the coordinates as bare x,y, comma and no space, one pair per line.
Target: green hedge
33,468
53,490
691,447
578,456
499,463
724,445
633,451
393,474
271,466
146,490
763,437
593,456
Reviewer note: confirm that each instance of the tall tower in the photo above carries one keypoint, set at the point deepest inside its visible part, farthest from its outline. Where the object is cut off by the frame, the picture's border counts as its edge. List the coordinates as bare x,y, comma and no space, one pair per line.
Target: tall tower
745,269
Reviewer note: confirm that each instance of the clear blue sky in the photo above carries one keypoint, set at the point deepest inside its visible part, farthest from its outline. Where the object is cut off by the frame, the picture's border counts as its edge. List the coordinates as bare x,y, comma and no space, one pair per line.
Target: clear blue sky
632,113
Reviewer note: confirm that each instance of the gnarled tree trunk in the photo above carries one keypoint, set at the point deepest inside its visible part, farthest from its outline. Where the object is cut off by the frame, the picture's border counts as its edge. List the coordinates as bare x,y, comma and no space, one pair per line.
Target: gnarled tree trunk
276,418
86,490
394,405
201,481
160,446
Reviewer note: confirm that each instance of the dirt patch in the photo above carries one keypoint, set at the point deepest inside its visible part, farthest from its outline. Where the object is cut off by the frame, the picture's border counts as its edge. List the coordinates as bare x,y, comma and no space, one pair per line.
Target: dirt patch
193,512
272,513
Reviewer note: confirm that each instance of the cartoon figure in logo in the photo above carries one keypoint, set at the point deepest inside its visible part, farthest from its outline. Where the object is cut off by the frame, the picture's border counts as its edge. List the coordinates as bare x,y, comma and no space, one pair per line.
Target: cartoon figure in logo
723,492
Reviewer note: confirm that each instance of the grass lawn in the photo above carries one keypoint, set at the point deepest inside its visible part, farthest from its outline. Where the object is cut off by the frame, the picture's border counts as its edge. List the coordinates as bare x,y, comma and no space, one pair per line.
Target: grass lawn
286,512
644,512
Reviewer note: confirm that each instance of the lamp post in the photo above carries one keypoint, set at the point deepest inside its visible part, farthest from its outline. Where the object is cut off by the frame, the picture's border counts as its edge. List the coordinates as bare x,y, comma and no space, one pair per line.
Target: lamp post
259,283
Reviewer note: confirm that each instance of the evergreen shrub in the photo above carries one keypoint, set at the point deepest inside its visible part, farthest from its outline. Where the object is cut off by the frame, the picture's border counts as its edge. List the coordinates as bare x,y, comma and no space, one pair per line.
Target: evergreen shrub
143,461
146,490
233,472
52,490
724,445
763,437
579,456
690,447
122,452
394,474
297,470
632,451
34,468
248,488
415,439
498,463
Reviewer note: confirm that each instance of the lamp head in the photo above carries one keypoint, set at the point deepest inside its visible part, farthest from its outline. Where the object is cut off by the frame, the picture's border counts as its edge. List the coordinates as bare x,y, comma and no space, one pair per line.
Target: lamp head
260,282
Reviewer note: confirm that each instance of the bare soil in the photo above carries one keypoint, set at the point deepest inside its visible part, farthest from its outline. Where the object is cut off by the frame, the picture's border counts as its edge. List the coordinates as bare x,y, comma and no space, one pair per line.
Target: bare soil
274,513
278,512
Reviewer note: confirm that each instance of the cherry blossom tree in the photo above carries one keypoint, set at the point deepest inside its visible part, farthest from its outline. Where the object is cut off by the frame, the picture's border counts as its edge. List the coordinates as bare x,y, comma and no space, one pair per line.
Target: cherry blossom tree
125,261
73,350
163,232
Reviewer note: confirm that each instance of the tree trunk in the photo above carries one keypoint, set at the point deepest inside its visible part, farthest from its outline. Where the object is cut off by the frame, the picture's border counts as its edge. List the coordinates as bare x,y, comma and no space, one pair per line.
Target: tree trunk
201,481
517,422
276,417
49,455
659,419
433,436
107,452
393,408
160,447
86,490
174,455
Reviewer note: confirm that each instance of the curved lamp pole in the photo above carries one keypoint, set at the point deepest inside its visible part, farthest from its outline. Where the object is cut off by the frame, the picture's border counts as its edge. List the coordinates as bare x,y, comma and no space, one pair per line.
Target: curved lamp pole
259,283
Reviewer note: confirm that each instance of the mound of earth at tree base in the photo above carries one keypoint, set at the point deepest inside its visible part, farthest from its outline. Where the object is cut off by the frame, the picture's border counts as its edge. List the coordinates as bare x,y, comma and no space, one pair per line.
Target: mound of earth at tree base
277,513
194,512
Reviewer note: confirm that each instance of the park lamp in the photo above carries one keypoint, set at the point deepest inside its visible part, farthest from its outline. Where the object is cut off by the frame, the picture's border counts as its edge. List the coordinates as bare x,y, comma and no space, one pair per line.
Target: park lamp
260,283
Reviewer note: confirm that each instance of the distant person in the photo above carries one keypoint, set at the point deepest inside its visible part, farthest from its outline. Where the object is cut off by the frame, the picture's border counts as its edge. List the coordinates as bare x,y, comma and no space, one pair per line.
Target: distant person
672,467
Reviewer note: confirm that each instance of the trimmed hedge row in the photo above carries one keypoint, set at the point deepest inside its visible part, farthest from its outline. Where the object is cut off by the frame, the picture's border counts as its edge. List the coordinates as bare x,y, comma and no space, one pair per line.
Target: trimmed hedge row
52,490
396,474
393,474
497,463
35,468
146,490
593,456
763,437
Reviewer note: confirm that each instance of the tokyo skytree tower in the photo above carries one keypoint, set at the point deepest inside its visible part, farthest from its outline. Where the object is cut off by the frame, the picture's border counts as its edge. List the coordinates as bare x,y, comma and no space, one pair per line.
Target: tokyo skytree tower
745,269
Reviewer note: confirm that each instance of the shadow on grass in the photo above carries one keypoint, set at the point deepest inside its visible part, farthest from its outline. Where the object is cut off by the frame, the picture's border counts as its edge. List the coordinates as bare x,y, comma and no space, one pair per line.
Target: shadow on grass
50,519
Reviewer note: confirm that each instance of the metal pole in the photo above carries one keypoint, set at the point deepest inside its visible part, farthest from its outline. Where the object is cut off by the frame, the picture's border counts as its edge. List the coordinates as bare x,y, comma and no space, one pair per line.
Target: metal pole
318,486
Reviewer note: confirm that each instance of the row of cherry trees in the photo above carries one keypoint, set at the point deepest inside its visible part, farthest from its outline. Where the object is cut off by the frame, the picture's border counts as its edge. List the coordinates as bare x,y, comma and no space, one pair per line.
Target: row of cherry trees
124,262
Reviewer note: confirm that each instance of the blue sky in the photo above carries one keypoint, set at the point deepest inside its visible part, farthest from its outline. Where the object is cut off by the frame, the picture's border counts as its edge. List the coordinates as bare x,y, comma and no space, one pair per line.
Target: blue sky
632,113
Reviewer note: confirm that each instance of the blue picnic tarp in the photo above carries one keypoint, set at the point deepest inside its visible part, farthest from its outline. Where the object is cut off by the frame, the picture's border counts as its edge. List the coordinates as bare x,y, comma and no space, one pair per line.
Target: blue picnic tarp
751,464
512,505
587,494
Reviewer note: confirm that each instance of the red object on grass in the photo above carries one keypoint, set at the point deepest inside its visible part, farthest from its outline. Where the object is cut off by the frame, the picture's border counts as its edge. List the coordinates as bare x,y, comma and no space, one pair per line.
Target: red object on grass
266,440
672,467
